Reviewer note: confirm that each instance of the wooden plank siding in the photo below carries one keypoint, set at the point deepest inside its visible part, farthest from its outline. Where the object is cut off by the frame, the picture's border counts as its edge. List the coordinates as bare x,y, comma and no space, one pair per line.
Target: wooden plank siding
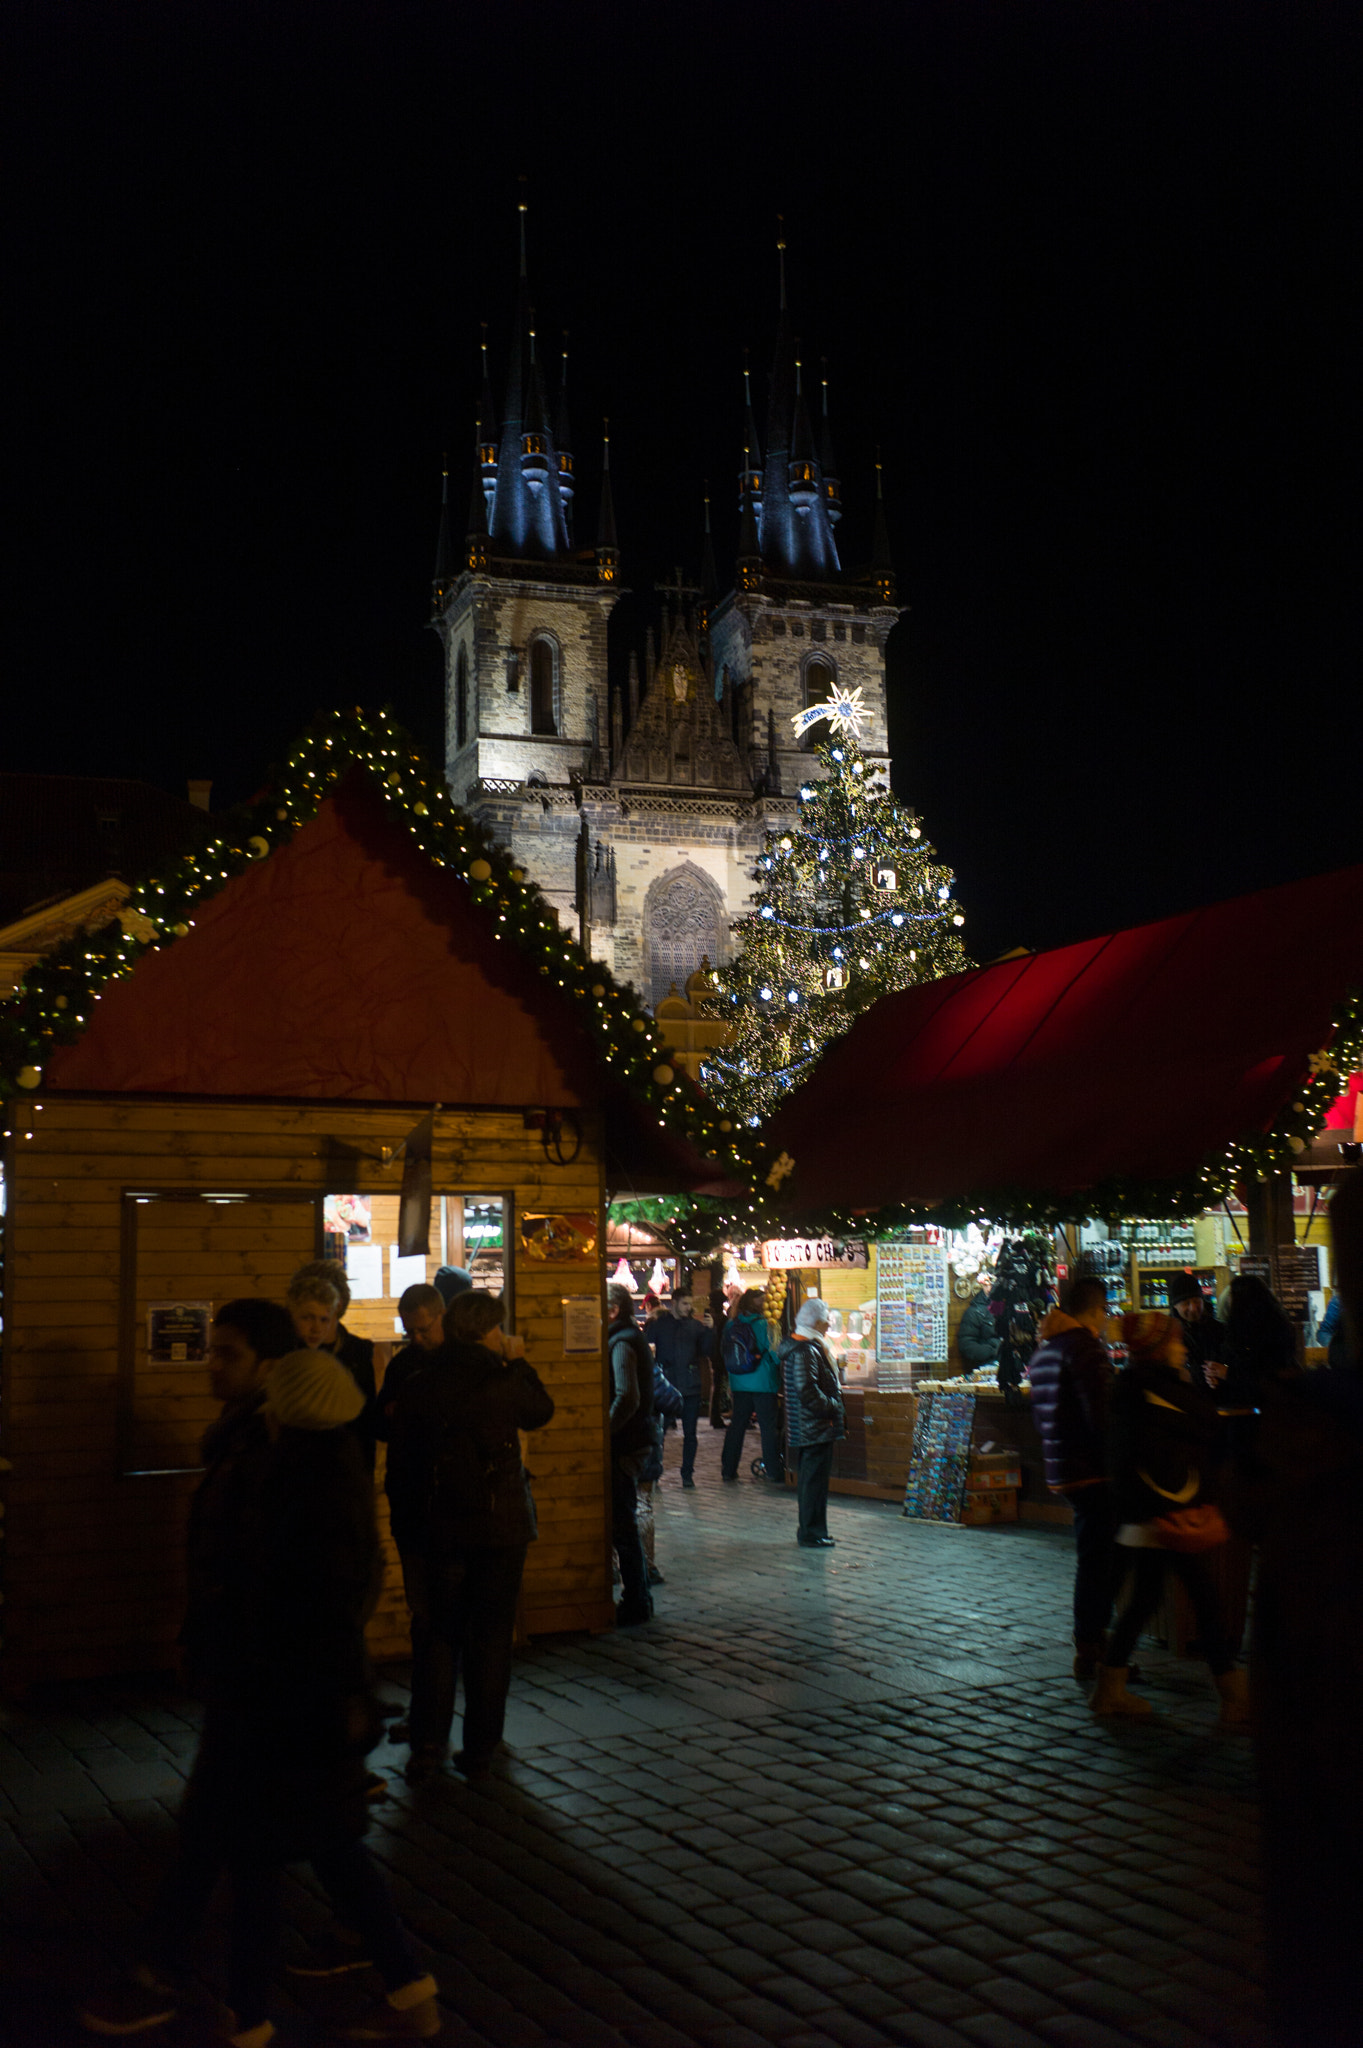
93,1561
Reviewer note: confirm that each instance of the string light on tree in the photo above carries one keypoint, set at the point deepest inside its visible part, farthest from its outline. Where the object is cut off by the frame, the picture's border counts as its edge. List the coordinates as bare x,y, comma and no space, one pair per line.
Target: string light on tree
850,905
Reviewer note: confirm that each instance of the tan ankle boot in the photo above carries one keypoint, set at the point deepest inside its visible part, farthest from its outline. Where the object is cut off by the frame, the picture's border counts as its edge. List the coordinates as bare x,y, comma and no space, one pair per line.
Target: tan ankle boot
1233,1687
1111,1696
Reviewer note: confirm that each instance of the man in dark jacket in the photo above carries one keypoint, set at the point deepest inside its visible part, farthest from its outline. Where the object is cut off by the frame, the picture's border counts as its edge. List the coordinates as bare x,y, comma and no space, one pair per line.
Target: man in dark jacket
1071,1377
1203,1334
814,1418
463,1519
681,1344
978,1336
631,1422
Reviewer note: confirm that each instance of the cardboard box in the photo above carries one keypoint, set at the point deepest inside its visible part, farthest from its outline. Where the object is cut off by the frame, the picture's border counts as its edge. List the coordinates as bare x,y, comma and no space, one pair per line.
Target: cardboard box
1007,1475
990,1504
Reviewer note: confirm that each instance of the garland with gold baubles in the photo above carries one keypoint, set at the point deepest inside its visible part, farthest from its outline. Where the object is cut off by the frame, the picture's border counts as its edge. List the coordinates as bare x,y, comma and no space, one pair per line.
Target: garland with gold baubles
56,999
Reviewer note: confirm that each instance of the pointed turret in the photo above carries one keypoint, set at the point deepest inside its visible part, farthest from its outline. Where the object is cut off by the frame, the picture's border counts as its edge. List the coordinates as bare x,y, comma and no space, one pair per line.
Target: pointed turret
793,527
487,437
882,569
607,546
526,518
709,574
444,551
832,487
563,441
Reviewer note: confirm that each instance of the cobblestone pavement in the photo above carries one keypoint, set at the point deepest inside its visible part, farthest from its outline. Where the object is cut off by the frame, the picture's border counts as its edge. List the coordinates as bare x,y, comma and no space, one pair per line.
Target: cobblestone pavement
827,1799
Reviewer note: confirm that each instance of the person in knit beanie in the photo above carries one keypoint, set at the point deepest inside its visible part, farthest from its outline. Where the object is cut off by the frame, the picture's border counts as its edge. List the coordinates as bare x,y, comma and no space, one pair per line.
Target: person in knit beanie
311,1390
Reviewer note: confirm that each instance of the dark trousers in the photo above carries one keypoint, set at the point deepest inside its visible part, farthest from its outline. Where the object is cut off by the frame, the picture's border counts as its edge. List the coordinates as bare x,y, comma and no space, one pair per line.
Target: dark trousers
634,1593
1095,1563
348,1874
719,1394
690,1416
811,1488
1147,1583
463,1605
763,1406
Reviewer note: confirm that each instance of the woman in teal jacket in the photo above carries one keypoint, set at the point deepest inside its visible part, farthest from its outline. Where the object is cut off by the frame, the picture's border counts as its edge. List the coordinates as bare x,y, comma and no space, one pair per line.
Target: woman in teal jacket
754,1381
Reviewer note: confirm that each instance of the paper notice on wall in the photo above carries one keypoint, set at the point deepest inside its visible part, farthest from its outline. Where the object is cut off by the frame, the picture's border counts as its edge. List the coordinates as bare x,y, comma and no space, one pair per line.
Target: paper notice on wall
404,1273
581,1323
364,1271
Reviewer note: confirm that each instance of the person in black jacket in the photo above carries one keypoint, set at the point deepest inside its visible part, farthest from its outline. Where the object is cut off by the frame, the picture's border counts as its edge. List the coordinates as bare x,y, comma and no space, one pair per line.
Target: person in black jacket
1071,1380
631,1425
1163,1437
463,1518
978,1335
1204,1337
283,1559
318,1297
815,1418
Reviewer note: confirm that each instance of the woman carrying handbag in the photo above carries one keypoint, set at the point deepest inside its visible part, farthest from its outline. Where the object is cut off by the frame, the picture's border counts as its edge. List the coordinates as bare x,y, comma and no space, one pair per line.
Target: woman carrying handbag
1164,1431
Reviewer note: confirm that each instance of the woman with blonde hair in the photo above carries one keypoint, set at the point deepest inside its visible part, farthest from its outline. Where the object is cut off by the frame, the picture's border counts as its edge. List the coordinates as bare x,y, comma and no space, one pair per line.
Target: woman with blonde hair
318,1296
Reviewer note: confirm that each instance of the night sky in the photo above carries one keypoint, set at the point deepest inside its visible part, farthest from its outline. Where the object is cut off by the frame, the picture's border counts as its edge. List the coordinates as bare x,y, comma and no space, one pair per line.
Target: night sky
1088,274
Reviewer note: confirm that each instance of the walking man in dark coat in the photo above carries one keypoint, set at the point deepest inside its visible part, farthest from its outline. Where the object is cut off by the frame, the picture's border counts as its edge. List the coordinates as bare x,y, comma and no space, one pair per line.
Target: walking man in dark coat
463,1519
681,1344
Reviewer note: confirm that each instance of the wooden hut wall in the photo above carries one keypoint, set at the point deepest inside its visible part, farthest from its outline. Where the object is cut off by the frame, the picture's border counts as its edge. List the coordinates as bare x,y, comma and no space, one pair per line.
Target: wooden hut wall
93,1572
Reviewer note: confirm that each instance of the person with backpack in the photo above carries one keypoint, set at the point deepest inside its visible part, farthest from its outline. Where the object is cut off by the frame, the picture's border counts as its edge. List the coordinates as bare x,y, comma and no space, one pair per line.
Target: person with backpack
667,1406
463,1519
632,1447
755,1380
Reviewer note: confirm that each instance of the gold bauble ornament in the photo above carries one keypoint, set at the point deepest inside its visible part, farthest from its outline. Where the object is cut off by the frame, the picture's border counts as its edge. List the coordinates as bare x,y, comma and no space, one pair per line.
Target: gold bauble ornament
480,871
419,810
724,1124
598,989
518,874
257,846
638,1024
29,1077
393,778
281,814
663,1075
59,1003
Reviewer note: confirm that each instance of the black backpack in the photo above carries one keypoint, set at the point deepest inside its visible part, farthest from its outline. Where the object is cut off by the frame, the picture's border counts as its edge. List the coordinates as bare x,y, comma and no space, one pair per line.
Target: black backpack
740,1351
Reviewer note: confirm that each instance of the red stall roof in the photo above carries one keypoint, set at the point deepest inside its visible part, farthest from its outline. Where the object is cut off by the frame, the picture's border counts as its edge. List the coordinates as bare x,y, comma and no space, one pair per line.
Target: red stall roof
1136,1055
348,966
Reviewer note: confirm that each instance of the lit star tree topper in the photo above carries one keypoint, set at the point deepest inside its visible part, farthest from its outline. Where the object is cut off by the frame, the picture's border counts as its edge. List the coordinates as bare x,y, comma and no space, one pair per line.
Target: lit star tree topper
850,904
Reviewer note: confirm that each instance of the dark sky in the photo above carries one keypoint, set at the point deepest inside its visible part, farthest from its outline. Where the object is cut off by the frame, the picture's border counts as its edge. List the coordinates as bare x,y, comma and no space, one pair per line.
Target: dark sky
1087,273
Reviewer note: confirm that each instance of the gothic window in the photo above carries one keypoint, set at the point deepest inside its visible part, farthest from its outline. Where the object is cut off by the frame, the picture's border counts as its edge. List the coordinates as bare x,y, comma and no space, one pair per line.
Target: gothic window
683,922
820,682
542,719
461,698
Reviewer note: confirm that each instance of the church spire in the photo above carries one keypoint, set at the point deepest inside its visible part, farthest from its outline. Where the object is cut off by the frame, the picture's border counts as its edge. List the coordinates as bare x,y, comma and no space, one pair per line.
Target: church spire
832,487
443,548
528,513
607,546
794,529
882,569
709,574
563,441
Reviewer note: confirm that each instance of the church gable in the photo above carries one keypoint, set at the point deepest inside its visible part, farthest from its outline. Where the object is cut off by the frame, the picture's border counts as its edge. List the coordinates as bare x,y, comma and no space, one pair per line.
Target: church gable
682,734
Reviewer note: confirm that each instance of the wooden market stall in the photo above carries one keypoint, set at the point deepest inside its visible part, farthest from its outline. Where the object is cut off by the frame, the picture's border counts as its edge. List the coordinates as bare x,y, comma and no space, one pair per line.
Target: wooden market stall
328,981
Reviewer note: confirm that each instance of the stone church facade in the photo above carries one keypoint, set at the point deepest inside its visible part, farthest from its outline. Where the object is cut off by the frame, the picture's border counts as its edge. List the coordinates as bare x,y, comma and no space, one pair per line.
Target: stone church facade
640,809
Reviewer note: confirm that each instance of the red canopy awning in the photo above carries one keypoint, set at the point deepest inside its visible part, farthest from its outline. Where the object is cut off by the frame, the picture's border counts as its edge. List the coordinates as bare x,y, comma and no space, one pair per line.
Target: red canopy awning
1134,1056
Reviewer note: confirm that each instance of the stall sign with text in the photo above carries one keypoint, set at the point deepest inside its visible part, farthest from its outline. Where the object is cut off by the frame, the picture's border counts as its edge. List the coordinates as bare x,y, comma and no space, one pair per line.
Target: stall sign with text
791,1252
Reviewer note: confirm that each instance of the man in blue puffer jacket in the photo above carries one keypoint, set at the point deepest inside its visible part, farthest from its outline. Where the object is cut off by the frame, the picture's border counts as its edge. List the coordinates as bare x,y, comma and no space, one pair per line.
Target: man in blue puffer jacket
1071,1378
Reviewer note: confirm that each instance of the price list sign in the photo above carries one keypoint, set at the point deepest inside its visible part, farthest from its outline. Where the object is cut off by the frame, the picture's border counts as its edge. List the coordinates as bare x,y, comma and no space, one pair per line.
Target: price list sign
911,1304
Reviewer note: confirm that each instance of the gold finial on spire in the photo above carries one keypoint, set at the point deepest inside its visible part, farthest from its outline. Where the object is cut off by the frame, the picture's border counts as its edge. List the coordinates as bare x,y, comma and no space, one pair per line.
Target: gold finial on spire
781,254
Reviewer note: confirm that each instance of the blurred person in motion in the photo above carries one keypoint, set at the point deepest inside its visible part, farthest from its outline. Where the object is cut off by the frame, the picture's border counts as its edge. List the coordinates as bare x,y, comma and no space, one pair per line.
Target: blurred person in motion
631,1426
1164,1434
1303,1503
463,1519
1204,1337
1071,1379
667,1406
283,1556
815,1418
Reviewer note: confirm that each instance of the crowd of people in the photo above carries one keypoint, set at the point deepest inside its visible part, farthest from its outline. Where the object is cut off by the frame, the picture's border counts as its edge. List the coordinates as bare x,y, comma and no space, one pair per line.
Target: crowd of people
1212,1427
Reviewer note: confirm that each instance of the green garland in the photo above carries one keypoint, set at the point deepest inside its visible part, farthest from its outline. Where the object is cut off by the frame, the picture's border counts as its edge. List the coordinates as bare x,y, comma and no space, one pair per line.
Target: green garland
55,1001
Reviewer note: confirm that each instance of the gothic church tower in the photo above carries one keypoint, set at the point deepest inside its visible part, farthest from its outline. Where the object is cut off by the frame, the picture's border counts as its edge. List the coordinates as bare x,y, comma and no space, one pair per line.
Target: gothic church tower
640,810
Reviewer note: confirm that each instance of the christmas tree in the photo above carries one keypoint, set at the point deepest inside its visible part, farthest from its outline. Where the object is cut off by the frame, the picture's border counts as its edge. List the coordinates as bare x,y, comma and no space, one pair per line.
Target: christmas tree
850,904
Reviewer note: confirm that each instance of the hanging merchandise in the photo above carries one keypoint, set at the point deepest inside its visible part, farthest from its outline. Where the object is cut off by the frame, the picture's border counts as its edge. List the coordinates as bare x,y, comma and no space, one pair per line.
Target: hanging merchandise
1023,1290
623,1276
657,1279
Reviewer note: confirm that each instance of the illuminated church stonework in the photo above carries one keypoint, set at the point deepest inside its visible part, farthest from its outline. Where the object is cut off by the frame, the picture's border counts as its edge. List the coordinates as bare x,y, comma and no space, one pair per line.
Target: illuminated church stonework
640,806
